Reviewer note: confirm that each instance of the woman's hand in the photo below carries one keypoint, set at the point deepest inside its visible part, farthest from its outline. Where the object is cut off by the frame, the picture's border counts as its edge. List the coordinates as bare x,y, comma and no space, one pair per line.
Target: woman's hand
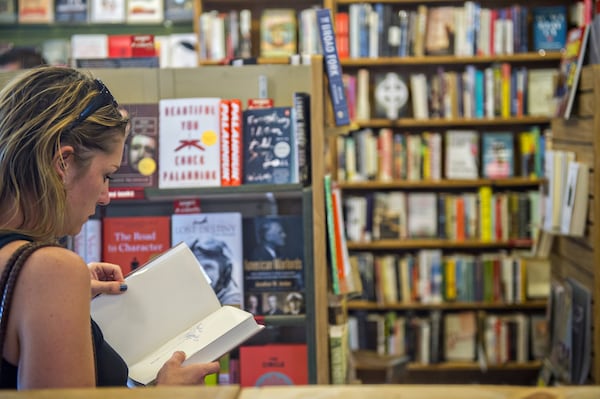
107,278
173,373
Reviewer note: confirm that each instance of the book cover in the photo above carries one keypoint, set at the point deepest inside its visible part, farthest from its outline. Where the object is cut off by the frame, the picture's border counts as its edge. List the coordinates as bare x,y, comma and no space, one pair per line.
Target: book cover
68,11
549,27
570,69
276,364
107,11
460,333
8,11
498,155
189,142
269,146
576,198
582,331
89,46
144,11
278,32
274,264
390,95
439,31
35,11
225,142
462,154
422,221
216,241
542,82
179,10
333,68
56,51
131,241
139,166
119,62
146,328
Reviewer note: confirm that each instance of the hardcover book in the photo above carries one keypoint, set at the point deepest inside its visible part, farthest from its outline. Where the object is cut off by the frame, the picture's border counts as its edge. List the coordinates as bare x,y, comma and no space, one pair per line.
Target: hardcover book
146,328
144,11
189,142
139,166
35,12
8,11
71,11
462,154
276,364
274,265
498,155
269,146
216,241
107,11
549,27
179,10
278,32
131,241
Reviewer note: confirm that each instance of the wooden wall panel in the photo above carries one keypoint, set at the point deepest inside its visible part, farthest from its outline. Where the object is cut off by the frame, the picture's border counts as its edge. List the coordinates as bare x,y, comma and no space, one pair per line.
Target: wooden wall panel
574,130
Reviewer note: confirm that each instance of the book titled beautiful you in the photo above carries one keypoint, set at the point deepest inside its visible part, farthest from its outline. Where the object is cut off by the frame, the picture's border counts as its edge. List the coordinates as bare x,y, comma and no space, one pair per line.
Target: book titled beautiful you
170,306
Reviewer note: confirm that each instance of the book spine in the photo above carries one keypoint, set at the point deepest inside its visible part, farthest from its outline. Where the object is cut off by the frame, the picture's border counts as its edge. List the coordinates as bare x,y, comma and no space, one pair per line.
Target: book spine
225,143
302,130
333,67
235,126
330,220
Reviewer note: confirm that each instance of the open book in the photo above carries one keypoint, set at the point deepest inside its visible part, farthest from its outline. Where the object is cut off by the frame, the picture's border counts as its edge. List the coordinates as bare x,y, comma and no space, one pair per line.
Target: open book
169,306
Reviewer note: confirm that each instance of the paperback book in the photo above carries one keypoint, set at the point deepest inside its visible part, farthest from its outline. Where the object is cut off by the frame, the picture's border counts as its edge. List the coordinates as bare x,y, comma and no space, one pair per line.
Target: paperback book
146,328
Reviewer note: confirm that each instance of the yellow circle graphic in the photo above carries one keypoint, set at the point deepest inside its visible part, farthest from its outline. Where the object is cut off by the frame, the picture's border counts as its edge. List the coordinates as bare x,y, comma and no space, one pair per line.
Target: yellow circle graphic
209,138
147,166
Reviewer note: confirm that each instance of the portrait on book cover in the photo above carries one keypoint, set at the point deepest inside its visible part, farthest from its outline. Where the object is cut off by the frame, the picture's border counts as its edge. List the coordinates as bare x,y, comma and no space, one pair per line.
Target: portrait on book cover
274,264
216,241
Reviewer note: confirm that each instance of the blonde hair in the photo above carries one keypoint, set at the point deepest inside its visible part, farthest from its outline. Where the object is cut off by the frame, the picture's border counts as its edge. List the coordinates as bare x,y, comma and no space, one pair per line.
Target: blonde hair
38,113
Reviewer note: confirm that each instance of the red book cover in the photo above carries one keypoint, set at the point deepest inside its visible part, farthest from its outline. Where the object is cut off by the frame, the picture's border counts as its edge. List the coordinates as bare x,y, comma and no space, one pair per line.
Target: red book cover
131,241
142,46
225,143
119,46
235,124
273,365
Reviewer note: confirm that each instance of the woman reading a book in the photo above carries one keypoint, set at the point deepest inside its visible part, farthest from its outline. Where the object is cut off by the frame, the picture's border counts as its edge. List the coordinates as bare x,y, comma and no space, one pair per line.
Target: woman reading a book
61,139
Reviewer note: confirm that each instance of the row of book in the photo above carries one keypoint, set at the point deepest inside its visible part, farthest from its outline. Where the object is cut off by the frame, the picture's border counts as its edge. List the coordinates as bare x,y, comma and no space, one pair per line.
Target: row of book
465,336
499,90
208,142
253,262
96,11
431,277
388,155
483,215
225,35
385,30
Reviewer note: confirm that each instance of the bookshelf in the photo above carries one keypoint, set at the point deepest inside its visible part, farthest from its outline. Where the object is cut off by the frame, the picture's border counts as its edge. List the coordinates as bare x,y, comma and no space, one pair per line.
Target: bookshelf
573,257
150,85
523,372
256,8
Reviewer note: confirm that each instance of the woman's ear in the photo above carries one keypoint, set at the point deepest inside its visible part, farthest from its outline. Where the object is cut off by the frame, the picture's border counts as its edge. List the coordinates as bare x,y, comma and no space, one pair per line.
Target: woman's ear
62,159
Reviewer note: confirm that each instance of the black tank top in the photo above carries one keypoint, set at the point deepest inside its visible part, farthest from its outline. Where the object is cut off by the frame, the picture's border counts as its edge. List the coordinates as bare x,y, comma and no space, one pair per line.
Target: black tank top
111,370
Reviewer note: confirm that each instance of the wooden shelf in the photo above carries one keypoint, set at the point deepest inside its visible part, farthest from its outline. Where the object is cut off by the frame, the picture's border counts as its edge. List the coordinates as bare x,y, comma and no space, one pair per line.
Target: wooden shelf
367,305
435,243
245,191
444,123
473,366
440,184
450,59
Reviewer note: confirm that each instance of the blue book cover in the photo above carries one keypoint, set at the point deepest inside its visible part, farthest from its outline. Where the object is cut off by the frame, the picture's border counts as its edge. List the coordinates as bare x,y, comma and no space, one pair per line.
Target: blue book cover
333,68
479,94
549,28
269,146
71,11
498,155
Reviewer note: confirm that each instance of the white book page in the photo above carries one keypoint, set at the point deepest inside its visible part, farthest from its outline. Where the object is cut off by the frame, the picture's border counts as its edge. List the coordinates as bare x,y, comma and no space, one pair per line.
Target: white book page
165,297
204,342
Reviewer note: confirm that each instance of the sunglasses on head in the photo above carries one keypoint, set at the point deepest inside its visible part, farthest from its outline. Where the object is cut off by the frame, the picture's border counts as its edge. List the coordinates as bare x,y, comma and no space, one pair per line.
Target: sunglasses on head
102,99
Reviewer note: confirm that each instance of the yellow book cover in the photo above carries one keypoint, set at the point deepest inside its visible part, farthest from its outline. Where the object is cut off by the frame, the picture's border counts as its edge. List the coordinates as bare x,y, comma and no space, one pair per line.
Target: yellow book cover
485,217
278,32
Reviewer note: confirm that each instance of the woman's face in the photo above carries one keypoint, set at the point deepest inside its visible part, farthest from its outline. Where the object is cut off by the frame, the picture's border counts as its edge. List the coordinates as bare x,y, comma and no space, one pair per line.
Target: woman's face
88,189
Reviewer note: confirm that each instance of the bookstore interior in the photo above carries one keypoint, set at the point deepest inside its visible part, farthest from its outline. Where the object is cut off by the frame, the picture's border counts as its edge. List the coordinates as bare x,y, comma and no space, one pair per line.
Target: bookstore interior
394,195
